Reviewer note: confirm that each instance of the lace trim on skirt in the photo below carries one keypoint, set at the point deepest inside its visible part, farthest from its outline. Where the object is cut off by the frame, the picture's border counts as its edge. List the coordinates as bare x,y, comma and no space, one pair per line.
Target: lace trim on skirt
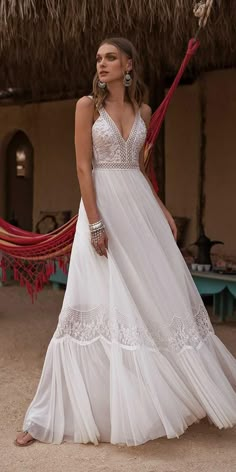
88,326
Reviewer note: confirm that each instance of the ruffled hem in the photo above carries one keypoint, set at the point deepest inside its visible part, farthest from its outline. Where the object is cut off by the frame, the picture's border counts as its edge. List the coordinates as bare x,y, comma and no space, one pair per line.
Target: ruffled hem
105,392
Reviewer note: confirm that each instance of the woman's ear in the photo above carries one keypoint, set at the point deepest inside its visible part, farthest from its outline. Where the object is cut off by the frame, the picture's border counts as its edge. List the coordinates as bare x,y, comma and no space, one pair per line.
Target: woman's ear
129,66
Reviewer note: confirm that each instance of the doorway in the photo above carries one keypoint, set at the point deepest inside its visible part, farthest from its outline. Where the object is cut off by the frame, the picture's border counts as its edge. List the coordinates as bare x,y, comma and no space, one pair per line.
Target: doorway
19,181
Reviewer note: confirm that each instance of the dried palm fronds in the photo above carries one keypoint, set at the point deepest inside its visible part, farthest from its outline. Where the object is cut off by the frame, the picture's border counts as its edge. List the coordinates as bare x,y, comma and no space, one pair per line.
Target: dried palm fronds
50,45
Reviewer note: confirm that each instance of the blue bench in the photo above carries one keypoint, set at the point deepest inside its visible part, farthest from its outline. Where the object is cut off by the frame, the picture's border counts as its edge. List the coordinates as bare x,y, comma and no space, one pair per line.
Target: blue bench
59,278
9,276
223,289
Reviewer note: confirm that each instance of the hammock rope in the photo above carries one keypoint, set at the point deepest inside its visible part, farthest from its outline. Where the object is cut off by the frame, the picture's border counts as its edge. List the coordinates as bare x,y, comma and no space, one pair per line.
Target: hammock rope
33,258
202,10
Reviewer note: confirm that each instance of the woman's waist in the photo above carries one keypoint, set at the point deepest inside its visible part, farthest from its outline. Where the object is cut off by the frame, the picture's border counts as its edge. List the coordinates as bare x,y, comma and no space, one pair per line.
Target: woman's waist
115,165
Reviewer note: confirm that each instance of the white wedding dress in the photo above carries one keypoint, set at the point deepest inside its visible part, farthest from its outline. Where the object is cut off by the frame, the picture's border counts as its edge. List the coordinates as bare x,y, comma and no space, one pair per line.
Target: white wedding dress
134,356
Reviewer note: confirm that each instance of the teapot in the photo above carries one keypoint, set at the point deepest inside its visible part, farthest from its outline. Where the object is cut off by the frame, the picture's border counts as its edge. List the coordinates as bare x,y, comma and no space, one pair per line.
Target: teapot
204,245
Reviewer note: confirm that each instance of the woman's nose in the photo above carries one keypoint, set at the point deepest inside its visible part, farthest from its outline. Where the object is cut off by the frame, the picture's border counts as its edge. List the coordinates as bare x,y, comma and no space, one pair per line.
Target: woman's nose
102,62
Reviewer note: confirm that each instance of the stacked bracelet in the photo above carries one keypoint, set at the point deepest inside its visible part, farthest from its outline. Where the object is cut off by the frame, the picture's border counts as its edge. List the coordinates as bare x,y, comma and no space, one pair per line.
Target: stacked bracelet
96,230
96,226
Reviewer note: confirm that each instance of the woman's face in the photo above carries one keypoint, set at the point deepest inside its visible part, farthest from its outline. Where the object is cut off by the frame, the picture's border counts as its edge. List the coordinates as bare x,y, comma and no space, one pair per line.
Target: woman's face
111,63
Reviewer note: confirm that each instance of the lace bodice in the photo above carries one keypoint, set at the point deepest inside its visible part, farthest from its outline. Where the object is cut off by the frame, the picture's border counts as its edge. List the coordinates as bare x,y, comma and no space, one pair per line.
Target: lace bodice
110,149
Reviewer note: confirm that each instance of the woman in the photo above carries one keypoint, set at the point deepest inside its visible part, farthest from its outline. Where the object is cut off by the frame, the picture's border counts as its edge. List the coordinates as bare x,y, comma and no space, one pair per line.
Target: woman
134,356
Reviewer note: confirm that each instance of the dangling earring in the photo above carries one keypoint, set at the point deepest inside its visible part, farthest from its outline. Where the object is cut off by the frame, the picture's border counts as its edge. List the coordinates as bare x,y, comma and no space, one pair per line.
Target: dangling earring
101,85
127,81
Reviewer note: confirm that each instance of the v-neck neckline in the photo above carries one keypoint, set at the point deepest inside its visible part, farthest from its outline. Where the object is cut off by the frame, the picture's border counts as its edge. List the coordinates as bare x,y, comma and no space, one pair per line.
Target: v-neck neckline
112,122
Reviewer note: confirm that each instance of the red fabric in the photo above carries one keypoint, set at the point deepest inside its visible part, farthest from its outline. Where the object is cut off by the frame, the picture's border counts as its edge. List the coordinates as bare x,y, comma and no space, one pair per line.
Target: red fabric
14,229
20,237
32,257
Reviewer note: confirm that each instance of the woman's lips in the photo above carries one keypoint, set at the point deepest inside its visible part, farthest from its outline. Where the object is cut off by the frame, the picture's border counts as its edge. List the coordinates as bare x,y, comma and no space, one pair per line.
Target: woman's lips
103,73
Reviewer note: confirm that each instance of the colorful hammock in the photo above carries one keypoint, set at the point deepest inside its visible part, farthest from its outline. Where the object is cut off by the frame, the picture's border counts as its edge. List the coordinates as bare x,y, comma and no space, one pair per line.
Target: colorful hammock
33,258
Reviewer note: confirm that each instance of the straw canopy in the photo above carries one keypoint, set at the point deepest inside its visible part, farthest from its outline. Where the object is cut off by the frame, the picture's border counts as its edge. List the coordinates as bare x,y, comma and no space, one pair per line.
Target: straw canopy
48,46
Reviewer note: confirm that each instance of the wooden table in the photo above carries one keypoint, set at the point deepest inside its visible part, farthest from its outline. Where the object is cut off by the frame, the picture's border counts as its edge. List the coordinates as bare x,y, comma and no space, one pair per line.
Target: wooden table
223,289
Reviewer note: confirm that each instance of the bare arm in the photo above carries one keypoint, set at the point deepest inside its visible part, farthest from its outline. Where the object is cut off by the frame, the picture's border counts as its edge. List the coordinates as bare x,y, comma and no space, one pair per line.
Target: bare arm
146,113
83,147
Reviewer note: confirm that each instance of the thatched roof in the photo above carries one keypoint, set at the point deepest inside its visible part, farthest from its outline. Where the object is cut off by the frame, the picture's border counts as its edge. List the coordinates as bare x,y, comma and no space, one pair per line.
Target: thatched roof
48,46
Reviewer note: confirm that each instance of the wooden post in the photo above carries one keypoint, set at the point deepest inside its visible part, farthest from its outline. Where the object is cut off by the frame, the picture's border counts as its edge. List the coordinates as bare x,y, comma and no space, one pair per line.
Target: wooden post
202,157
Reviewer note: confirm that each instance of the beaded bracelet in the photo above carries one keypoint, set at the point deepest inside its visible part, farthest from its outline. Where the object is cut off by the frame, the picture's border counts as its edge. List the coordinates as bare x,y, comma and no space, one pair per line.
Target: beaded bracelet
96,226
96,235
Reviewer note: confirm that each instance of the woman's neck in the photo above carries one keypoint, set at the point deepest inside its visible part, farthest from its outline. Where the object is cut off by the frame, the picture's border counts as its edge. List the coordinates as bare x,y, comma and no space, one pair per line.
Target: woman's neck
116,93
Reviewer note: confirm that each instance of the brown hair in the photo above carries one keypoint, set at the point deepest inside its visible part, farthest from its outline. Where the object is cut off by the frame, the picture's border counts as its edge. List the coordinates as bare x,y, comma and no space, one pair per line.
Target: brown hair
136,92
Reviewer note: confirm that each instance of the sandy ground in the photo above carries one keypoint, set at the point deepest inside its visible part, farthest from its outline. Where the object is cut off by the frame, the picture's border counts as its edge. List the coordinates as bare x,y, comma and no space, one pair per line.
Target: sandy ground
25,331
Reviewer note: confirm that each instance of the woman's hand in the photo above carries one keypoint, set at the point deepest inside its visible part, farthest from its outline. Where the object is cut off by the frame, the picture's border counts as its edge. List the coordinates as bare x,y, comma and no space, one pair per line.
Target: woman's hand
100,244
172,224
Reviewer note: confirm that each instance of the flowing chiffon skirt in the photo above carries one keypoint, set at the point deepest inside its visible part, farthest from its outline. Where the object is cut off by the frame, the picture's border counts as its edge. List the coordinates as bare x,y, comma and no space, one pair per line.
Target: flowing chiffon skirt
134,356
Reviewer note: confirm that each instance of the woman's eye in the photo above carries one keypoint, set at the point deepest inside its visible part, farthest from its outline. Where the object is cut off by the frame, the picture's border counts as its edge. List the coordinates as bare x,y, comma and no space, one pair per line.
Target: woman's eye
110,58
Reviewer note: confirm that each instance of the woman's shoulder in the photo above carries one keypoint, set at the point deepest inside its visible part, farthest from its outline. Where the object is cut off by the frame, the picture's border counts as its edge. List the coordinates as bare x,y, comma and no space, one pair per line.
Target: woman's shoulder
146,113
85,103
145,110
84,109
